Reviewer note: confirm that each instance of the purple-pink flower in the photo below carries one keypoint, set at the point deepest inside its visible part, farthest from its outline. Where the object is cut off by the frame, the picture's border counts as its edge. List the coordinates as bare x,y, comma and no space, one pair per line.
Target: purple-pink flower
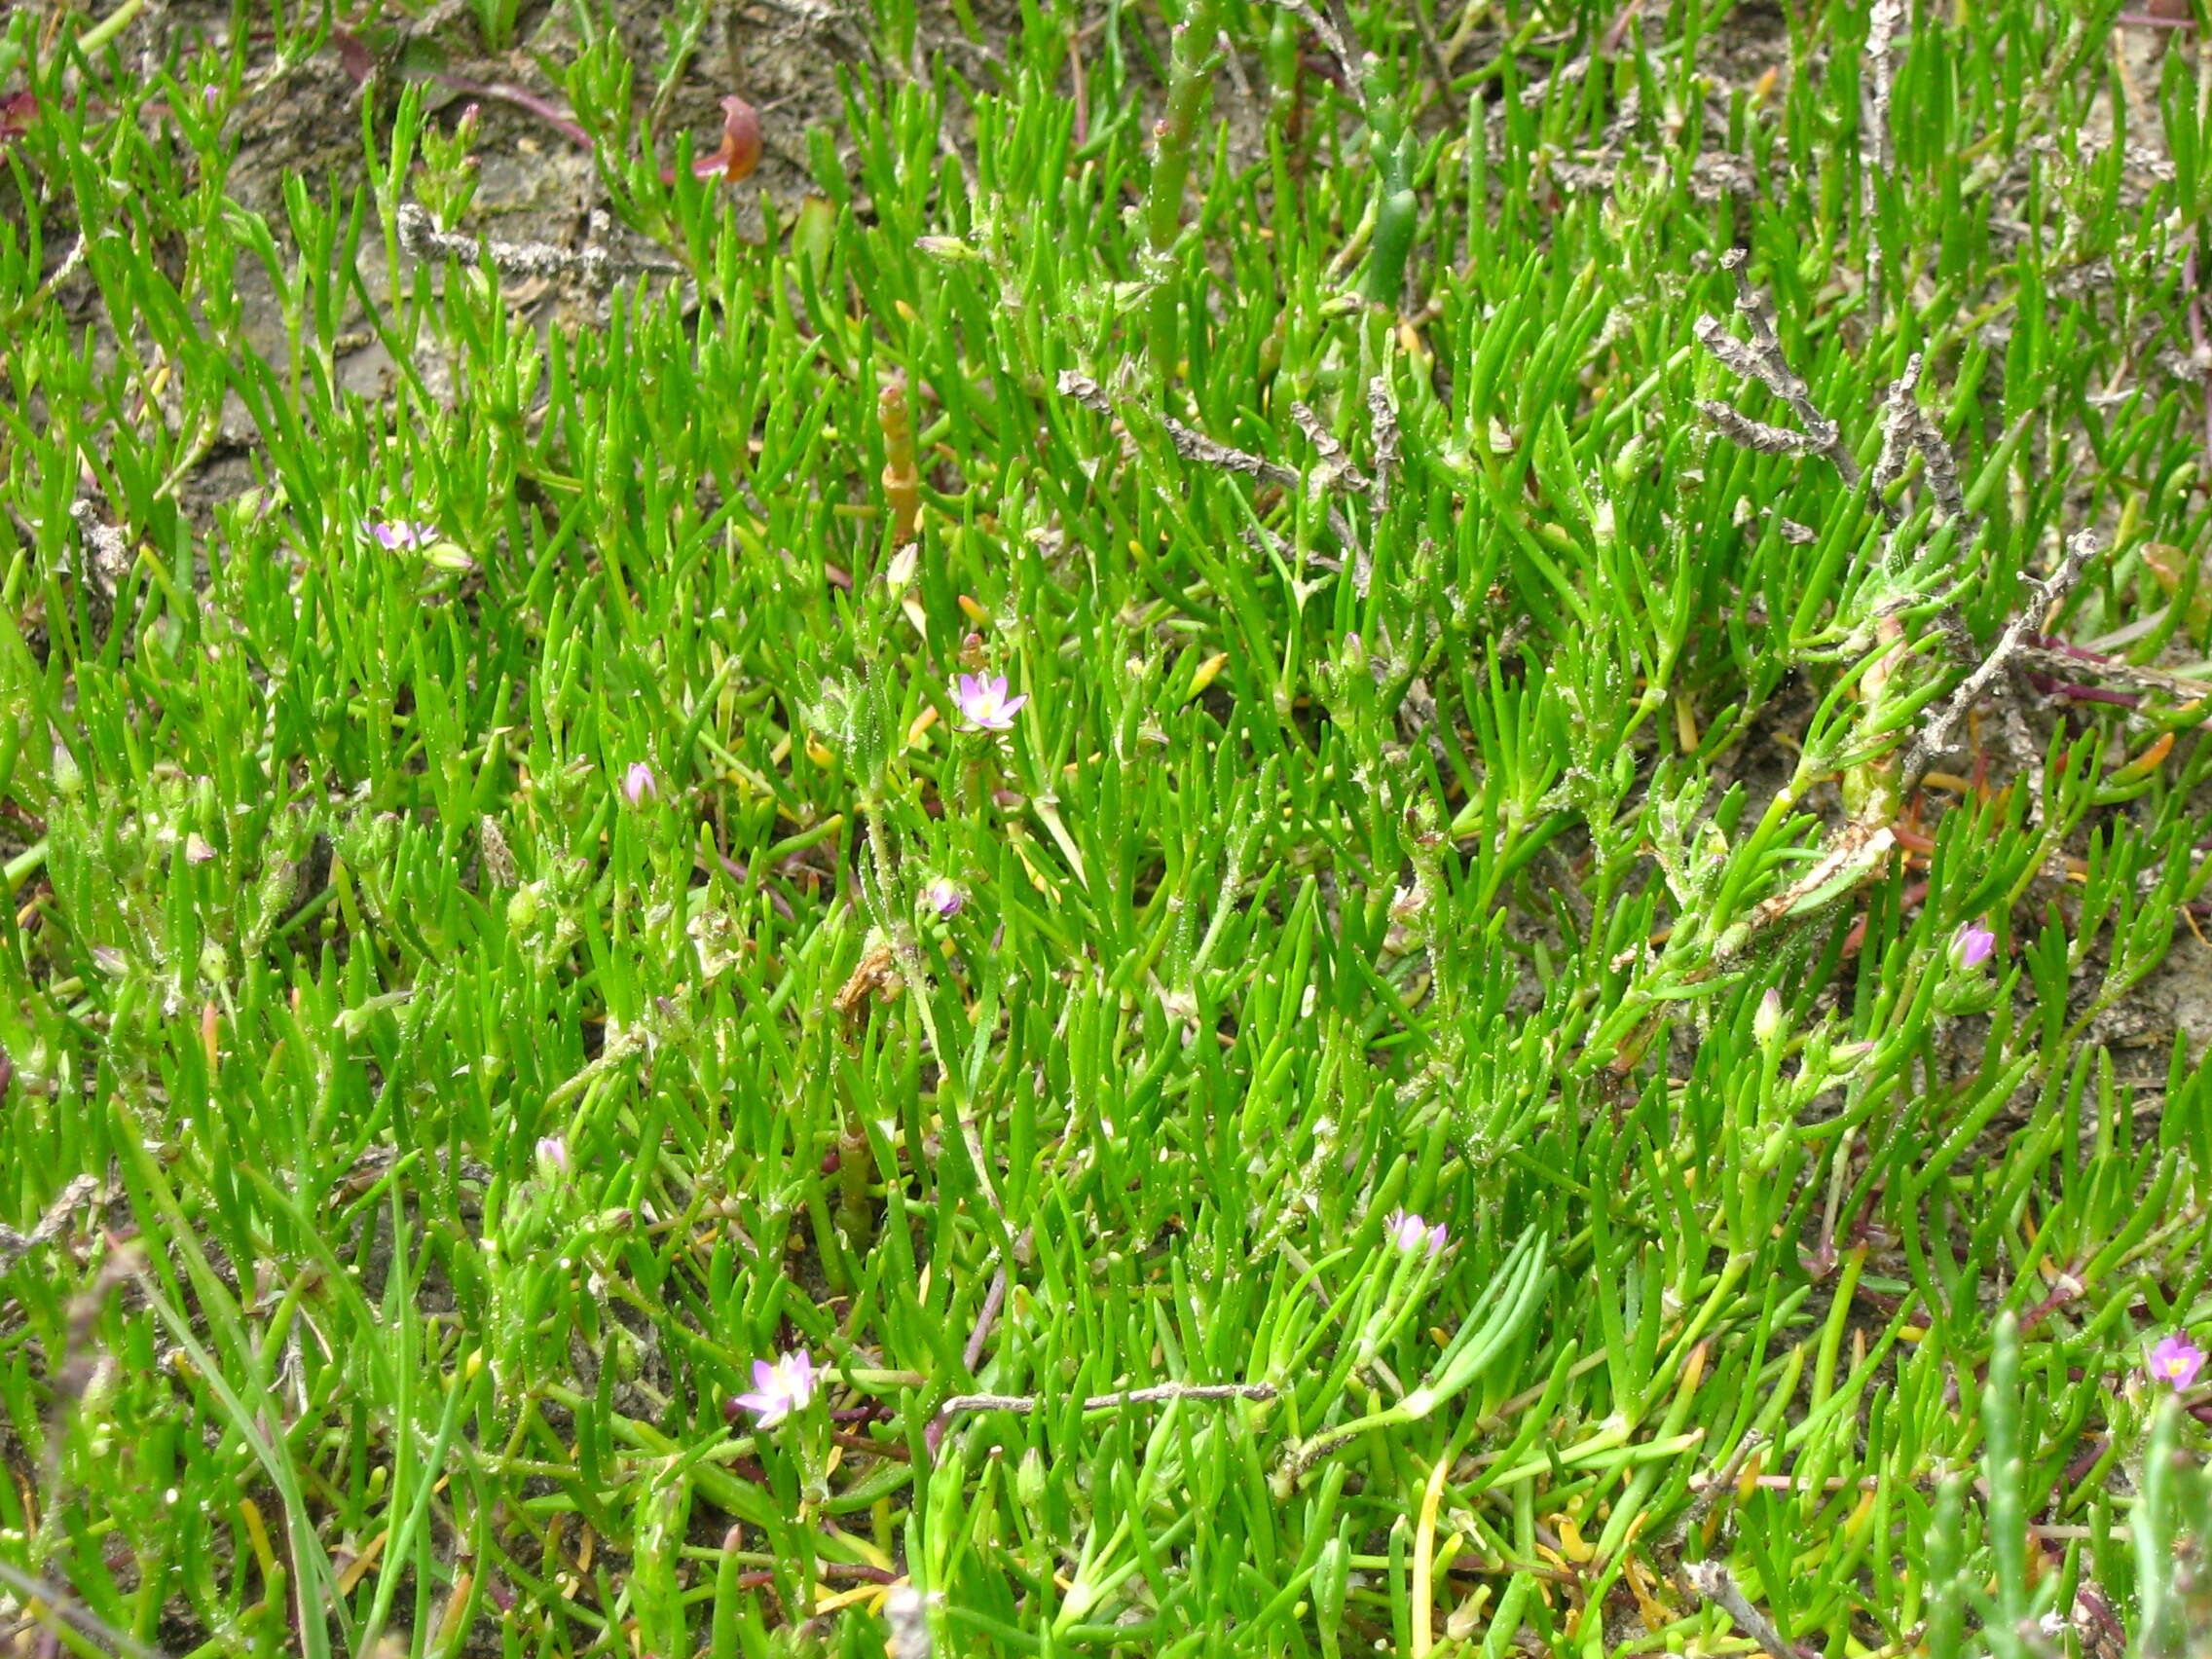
944,897
1973,944
639,782
984,704
1410,1232
779,1389
2176,1360
395,535
552,1155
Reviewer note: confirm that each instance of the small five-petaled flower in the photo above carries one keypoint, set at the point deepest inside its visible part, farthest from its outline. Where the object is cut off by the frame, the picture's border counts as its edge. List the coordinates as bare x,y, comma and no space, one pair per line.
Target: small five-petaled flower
944,897
1973,945
392,535
1409,1232
639,782
2176,1360
984,704
779,1389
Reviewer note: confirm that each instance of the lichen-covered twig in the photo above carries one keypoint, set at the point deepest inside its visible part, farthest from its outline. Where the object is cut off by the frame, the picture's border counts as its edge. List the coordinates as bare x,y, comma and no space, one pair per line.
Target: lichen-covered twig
1763,436
420,236
1022,1404
1898,426
83,1191
68,268
1716,1486
1876,154
1194,445
1382,421
1906,430
1336,472
1941,470
1882,25
2032,618
1717,1585
1761,358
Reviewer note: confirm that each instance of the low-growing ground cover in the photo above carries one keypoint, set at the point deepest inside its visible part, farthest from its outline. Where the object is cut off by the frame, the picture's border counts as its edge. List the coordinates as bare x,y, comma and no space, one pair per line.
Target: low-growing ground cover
1146,829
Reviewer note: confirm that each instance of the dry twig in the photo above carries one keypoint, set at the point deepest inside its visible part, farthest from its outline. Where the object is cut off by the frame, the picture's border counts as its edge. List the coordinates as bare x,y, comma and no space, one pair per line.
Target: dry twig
1022,1404
422,239
1717,1585
2049,594
83,1191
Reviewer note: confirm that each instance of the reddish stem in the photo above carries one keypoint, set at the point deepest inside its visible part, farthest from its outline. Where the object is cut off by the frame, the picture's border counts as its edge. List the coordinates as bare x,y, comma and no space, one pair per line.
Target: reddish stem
2073,692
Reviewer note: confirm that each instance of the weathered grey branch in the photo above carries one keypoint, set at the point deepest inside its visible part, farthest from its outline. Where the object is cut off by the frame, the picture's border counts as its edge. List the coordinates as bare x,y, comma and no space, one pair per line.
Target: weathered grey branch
1717,1585
2032,618
1022,1404
422,237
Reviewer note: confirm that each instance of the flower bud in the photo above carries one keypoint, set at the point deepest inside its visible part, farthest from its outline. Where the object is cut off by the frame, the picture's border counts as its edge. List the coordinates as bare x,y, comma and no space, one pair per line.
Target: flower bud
1972,946
1029,1484
1767,1023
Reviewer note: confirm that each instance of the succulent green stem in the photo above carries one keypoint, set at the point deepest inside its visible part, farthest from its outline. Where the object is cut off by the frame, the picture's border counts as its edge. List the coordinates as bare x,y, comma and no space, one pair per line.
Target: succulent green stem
1189,80
1397,211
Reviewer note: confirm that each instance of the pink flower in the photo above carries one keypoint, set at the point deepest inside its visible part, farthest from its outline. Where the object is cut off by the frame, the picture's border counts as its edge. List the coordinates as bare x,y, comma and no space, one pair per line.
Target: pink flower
985,704
2177,1360
639,782
779,1389
1973,944
395,535
1409,1232
944,898
552,1157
